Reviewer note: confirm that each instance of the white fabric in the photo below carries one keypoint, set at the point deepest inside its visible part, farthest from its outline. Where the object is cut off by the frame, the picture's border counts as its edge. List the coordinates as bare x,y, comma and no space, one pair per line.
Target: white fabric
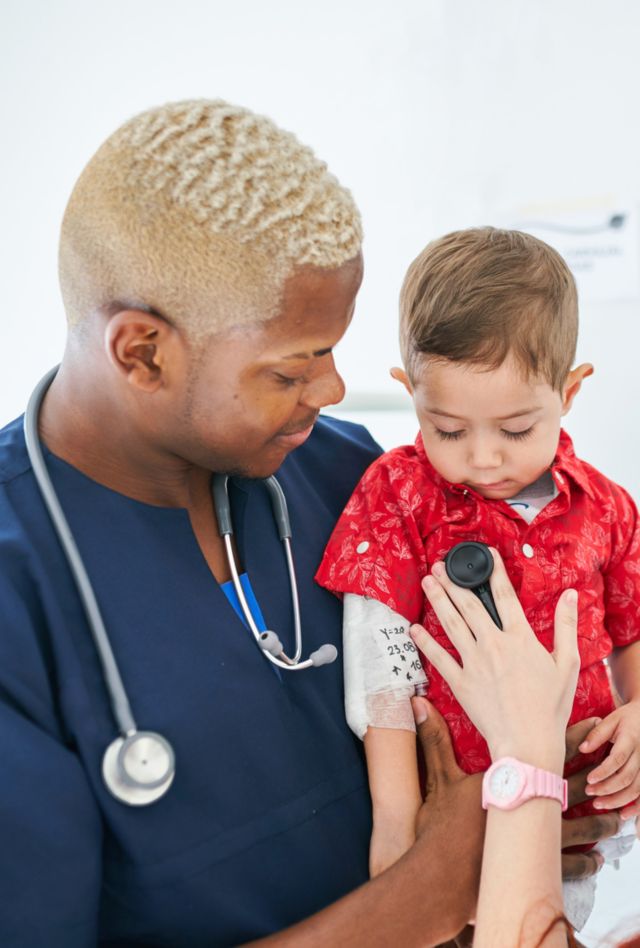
579,895
382,666
530,501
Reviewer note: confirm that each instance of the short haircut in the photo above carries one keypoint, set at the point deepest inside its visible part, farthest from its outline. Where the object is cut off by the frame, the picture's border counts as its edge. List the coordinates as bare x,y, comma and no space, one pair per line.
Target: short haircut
479,295
199,211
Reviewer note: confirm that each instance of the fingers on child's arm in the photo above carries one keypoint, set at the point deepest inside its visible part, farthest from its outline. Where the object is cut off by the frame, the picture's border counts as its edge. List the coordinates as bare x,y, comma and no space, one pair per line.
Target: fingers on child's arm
619,798
576,734
628,813
622,749
601,733
622,778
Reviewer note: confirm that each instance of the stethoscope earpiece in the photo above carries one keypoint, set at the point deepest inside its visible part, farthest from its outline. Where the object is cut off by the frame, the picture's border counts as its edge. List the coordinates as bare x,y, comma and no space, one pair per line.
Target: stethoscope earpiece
269,642
470,565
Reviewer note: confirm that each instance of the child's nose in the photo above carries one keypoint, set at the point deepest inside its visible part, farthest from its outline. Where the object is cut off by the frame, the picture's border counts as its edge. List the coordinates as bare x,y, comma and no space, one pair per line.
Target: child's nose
484,454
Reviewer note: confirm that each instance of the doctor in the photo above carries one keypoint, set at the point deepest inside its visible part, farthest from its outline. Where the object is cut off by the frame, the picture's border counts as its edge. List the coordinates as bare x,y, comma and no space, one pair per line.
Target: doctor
209,265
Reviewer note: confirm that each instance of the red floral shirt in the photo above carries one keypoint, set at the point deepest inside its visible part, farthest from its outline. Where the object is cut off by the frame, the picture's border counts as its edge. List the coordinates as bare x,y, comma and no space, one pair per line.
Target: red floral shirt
403,517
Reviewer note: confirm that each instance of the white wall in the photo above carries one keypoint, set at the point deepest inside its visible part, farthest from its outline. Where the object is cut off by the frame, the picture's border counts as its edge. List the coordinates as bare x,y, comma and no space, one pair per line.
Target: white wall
438,114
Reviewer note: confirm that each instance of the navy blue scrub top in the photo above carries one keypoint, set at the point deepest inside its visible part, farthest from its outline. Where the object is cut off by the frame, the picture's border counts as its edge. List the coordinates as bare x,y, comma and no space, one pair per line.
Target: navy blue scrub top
268,819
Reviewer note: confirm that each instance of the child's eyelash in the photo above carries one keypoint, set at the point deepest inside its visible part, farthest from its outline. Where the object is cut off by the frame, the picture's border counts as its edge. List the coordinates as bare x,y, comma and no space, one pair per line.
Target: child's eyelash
512,435
518,435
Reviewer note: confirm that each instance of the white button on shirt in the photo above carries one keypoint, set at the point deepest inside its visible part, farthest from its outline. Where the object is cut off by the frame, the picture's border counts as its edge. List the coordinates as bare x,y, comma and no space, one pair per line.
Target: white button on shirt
362,547
527,549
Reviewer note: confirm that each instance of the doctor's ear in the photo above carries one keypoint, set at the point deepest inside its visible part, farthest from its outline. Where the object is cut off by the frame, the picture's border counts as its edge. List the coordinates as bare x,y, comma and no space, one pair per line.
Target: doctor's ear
573,384
401,376
140,346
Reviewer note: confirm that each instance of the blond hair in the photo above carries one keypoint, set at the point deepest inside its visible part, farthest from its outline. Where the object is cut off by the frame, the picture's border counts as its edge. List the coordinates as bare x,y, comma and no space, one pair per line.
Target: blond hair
479,295
199,211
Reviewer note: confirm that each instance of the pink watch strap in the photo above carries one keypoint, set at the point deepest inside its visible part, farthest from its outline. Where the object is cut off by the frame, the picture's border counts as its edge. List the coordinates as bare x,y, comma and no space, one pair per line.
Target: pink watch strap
547,784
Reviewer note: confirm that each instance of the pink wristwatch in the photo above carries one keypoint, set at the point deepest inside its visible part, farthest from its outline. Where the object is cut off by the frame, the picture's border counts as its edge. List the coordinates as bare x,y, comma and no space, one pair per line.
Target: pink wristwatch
508,783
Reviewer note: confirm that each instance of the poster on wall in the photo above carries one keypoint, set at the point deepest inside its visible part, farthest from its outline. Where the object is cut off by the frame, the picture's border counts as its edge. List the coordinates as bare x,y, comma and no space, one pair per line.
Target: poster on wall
598,241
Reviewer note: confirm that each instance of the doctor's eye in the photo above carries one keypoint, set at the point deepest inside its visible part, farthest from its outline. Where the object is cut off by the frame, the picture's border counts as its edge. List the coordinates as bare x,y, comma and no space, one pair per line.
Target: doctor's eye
518,435
287,381
449,435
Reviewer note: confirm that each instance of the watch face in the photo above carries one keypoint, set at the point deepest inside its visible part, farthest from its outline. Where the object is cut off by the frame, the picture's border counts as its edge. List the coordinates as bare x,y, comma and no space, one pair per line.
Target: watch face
505,782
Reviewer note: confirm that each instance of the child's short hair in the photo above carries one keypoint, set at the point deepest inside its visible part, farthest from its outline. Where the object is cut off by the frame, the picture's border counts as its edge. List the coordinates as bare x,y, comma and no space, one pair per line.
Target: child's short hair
478,295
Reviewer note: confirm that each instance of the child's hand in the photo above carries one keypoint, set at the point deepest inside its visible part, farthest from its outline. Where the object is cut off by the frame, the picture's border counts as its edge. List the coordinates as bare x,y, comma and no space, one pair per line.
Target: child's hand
616,781
390,839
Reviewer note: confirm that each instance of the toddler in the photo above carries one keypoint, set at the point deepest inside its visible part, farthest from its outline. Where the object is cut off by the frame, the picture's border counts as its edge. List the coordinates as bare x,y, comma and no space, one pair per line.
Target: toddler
488,338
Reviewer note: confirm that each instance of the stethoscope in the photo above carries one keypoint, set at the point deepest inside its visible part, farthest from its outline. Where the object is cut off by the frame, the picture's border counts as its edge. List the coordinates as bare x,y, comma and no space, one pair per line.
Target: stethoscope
470,565
138,767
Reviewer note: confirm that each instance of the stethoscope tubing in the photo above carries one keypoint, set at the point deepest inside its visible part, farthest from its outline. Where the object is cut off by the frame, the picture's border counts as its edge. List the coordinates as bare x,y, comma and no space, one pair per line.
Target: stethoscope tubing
138,767
281,517
112,678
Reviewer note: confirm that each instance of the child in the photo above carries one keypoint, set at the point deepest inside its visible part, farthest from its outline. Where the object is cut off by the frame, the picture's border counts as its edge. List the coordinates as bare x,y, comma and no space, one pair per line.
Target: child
488,337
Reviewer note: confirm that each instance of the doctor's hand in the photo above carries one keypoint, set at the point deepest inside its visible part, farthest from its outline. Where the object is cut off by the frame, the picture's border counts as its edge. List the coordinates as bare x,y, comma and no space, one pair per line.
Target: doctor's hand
451,820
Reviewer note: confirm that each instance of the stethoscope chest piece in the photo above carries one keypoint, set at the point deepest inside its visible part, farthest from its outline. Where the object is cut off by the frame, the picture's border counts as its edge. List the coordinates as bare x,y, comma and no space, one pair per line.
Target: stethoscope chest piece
470,565
139,768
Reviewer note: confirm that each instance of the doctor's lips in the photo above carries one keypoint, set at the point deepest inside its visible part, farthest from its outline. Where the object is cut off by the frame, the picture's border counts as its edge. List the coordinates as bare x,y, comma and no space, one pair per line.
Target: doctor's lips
294,437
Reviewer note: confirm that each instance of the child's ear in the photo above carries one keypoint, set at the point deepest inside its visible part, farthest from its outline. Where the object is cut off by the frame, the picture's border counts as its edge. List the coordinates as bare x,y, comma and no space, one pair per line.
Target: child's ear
571,387
401,376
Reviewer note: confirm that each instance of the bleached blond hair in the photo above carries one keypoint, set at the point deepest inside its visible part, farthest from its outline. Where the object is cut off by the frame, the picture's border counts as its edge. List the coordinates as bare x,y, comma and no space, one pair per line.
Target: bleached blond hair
199,211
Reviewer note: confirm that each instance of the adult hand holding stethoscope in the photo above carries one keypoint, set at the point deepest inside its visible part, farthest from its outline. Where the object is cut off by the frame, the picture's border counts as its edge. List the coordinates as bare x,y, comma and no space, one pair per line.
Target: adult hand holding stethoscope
519,696
528,682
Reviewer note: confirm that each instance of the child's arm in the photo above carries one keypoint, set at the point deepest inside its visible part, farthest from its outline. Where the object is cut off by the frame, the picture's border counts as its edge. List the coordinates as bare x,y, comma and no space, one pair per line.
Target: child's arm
395,794
616,781
381,670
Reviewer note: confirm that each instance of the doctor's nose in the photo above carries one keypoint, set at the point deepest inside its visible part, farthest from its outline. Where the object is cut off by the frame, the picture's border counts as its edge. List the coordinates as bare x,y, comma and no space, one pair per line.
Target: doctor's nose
327,388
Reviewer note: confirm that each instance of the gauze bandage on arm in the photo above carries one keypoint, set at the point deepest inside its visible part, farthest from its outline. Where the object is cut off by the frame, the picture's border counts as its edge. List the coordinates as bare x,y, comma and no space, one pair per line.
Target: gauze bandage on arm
381,666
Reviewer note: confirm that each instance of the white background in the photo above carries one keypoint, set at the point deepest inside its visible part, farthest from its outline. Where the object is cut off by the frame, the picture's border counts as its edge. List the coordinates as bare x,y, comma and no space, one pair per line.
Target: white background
437,113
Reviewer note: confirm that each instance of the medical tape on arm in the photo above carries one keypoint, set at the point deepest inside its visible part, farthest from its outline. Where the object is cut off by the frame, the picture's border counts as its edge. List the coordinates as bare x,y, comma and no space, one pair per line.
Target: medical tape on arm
382,666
